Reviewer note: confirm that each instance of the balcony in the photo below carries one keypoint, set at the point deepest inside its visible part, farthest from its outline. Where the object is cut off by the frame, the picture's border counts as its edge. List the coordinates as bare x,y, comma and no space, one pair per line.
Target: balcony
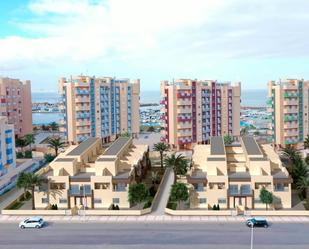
290,94
290,102
82,107
83,123
288,118
184,118
184,110
184,102
82,100
244,190
184,125
183,141
290,110
183,95
291,125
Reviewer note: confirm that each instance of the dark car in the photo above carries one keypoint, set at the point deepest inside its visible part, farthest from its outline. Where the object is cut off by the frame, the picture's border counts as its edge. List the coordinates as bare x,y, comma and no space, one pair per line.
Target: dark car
257,222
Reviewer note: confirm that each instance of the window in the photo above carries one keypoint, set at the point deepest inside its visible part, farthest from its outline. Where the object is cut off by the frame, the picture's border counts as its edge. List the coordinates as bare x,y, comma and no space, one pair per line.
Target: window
233,189
199,187
245,189
115,200
221,200
257,200
97,201
44,200
101,185
75,189
202,200
279,187
62,200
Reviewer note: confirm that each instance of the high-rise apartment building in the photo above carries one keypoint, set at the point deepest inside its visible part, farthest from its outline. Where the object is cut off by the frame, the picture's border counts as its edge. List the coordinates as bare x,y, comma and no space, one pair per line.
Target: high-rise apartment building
15,104
7,146
99,107
195,110
288,106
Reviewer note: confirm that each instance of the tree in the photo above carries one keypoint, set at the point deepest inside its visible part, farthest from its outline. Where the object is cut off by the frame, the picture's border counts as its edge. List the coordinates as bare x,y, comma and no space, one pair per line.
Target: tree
179,193
306,142
126,134
55,143
151,129
161,147
29,139
28,181
298,170
21,143
307,160
138,193
227,139
303,186
244,131
155,178
266,197
49,157
179,164
292,154
54,126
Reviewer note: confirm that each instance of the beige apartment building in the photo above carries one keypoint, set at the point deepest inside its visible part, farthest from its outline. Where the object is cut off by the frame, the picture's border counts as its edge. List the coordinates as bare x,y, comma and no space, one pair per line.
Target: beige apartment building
15,104
91,176
288,106
233,175
99,107
196,110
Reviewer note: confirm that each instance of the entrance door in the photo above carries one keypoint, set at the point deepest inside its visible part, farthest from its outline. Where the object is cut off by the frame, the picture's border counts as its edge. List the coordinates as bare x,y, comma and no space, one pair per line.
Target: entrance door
80,201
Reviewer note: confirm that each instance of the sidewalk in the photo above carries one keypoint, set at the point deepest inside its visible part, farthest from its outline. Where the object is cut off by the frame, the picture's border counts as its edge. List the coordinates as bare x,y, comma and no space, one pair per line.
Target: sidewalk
9,197
154,219
161,201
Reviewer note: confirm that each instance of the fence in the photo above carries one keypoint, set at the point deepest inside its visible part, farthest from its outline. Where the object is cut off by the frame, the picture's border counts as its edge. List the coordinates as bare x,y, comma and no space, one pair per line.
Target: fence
36,212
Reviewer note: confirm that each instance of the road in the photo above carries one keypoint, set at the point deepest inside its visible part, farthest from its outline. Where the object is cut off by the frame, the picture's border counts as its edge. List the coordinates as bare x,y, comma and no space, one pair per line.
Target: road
154,236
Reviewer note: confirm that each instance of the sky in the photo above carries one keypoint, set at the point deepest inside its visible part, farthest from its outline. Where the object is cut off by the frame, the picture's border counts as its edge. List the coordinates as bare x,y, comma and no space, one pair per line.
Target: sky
226,40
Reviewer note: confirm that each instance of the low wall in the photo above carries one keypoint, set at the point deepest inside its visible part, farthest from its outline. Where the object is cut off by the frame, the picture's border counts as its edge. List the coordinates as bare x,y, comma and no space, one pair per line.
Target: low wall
199,212
277,213
114,212
36,212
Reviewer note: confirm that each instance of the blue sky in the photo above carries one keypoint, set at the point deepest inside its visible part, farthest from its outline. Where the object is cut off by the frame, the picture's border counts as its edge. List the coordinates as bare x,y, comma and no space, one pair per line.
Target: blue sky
228,40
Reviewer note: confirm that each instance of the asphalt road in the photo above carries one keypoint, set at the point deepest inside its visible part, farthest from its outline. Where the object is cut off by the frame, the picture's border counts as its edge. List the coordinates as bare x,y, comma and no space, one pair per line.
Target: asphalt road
154,235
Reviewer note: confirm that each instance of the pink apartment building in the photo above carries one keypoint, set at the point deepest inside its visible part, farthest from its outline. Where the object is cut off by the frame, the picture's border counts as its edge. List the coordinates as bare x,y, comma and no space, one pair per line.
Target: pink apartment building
15,104
99,107
195,110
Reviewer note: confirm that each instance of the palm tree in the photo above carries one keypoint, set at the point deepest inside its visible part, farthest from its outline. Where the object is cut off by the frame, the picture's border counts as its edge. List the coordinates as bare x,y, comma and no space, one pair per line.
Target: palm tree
161,147
28,181
54,126
179,164
21,143
292,154
306,142
29,139
303,185
55,143
244,131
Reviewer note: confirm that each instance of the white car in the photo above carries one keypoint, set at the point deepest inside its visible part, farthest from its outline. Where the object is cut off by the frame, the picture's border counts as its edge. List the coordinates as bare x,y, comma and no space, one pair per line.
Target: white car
34,222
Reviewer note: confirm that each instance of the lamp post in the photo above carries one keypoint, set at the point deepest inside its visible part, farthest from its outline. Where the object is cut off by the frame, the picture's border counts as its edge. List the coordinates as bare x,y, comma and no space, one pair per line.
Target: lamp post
251,244
84,202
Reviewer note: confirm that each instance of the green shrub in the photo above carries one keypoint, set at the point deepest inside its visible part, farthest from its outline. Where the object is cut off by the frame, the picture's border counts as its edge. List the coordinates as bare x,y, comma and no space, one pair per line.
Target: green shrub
27,197
49,157
19,155
54,207
172,205
28,154
148,203
15,205
306,204
152,191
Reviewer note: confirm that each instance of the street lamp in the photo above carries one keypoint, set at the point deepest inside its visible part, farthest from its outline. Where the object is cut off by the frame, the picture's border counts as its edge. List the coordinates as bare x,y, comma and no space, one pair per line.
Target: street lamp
84,202
251,246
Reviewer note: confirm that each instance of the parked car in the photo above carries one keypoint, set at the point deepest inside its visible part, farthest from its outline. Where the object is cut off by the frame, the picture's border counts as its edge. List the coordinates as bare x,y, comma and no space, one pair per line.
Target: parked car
257,222
33,222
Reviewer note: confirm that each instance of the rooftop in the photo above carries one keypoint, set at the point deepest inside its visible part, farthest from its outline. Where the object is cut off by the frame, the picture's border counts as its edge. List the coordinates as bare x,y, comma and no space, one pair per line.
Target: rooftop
117,146
217,146
81,148
251,146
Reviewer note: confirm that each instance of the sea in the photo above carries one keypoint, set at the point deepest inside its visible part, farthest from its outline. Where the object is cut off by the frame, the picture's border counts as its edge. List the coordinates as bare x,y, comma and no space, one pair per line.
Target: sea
252,98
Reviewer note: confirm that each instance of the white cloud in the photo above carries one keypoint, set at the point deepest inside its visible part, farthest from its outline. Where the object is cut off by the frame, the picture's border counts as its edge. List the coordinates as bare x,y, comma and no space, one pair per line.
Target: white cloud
165,32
